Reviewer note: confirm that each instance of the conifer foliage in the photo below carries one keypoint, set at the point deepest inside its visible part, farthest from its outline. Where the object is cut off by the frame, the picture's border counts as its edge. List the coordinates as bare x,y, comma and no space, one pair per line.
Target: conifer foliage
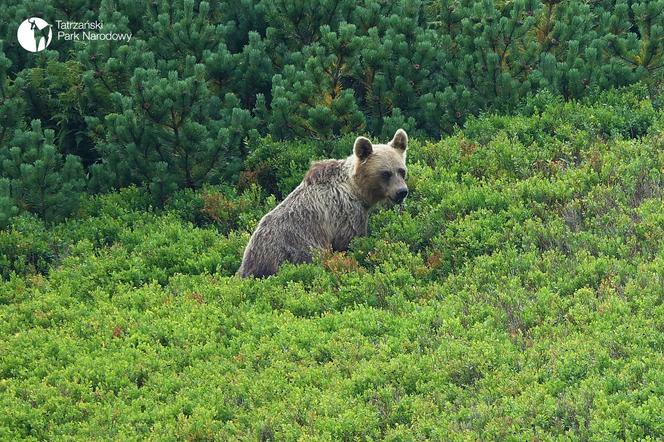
185,101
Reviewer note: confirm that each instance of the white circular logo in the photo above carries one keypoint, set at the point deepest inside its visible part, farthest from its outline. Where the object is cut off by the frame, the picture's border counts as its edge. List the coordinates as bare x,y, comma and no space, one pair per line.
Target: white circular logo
34,34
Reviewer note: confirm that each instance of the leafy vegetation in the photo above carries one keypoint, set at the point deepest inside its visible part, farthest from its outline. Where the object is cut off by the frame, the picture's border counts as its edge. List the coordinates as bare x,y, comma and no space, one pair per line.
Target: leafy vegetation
517,297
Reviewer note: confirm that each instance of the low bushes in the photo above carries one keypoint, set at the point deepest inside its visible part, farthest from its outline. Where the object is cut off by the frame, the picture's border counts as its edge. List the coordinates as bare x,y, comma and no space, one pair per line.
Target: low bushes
518,296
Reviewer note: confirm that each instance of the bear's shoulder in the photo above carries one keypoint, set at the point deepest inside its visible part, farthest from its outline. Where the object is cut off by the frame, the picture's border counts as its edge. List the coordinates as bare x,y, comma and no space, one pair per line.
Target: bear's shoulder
322,172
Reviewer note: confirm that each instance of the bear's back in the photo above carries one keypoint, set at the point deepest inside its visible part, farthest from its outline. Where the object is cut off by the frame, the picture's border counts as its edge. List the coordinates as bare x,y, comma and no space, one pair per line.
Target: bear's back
324,172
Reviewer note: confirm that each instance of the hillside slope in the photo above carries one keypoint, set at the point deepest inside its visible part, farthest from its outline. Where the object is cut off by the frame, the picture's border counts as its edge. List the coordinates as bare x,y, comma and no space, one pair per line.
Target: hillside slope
517,297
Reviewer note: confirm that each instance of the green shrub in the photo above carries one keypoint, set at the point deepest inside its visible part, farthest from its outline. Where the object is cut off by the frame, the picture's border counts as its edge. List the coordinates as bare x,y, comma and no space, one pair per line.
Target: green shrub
185,102
517,296
27,247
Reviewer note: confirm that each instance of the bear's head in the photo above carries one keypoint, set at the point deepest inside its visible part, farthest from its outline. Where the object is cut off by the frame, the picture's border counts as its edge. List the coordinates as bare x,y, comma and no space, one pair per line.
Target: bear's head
380,169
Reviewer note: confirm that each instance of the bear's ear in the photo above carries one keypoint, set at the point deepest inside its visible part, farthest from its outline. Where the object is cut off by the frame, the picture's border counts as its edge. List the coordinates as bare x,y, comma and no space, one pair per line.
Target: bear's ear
400,140
362,148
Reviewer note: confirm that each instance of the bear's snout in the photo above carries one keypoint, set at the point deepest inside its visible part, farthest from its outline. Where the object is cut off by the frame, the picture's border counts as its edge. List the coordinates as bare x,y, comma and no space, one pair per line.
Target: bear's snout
400,195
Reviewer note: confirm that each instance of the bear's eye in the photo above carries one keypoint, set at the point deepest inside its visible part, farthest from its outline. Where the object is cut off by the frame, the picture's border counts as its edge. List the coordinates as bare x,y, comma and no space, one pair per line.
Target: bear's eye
402,172
386,175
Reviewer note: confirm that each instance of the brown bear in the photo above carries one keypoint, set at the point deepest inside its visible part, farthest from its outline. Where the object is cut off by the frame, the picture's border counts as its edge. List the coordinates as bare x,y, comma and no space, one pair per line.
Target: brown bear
329,207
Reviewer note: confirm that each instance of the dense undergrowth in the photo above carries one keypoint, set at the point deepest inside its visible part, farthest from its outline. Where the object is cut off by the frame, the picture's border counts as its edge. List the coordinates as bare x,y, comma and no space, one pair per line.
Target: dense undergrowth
517,297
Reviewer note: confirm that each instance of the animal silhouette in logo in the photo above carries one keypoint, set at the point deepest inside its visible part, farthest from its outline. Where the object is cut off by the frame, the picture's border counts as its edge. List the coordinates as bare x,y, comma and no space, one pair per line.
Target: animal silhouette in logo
39,34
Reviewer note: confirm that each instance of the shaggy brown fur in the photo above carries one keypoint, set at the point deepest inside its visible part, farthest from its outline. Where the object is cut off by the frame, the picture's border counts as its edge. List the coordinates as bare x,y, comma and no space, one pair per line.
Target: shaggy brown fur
322,171
330,207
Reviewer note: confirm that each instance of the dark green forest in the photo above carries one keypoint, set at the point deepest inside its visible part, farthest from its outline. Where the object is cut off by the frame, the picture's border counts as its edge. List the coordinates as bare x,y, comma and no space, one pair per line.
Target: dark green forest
517,295
190,97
